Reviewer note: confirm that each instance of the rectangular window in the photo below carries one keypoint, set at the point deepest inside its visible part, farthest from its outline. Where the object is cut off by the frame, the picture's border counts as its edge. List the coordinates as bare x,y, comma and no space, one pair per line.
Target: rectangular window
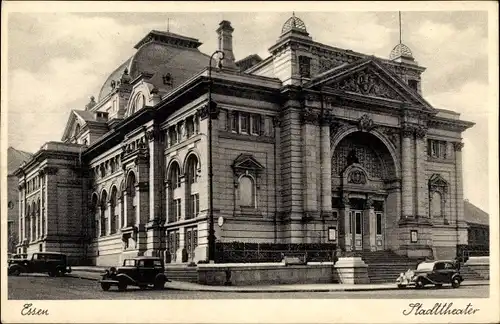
379,224
176,209
195,205
335,214
234,121
305,66
244,123
255,124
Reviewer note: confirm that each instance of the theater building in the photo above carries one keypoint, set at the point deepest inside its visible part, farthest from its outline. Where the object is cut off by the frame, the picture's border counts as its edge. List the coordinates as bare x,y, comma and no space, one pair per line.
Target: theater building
313,144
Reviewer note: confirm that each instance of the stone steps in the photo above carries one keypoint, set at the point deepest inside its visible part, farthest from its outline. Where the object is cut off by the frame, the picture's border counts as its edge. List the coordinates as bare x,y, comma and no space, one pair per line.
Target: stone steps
182,273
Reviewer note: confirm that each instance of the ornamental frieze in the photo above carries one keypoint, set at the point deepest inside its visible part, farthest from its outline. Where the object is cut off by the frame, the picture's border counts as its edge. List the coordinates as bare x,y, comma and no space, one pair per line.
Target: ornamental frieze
367,83
356,177
408,130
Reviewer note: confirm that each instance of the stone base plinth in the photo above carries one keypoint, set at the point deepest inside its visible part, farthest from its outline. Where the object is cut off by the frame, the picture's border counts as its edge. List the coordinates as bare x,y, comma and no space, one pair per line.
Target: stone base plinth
480,265
265,274
352,270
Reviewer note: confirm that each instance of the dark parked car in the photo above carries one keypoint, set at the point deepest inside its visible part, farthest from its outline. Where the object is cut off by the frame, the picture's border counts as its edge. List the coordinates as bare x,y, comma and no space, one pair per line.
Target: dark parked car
140,271
53,263
432,273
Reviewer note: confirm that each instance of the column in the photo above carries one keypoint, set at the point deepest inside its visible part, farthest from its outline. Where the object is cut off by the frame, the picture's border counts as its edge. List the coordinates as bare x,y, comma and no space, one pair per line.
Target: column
126,206
168,199
156,174
421,191
345,215
120,220
310,159
459,199
326,167
20,216
31,225
107,214
406,172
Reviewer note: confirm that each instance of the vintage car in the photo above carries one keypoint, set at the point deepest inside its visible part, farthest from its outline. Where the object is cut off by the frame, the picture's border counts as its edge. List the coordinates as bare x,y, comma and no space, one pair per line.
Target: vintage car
434,273
141,271
53,263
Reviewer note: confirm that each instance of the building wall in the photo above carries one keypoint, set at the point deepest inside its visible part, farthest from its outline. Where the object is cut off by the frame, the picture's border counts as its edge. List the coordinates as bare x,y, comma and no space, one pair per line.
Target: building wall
12,213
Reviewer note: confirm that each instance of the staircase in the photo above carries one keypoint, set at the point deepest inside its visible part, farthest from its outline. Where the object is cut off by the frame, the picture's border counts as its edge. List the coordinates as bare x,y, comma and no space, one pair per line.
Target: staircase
386,266
182,272
469,274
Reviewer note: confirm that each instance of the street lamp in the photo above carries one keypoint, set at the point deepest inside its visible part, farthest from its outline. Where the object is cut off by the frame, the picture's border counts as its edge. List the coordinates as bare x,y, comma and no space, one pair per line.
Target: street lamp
211,231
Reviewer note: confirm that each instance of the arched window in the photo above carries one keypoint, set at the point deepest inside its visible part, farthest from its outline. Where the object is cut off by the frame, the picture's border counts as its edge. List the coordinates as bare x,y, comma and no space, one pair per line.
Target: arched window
131,201
175,176
38,219
113,211
27,222
247,191
33,221
192,195
104,216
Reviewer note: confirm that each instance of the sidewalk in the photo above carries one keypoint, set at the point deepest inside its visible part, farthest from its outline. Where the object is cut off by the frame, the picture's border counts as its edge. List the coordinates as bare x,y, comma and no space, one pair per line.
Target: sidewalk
93,273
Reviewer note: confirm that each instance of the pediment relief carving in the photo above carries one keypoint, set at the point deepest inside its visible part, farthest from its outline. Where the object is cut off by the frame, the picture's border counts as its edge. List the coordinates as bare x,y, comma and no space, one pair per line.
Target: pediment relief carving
247,162
438,183
367,83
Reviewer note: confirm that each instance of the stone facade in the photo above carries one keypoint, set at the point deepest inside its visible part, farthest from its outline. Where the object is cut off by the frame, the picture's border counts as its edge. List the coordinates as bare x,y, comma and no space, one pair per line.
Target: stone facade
310,145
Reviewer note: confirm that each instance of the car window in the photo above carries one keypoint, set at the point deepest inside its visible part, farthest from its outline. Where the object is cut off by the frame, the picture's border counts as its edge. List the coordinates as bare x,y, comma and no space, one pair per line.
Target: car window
36,256
439,266
157,263
425,266
53,257
147,263
449,266
129,263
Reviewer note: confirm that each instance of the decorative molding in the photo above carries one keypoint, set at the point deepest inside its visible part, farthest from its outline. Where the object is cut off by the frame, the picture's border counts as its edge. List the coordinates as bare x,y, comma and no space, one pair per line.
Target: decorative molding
309,116
345,200
457,146
365,123
276,121
203,112
420,132
356,177
369,202
326,117
407,131
438,183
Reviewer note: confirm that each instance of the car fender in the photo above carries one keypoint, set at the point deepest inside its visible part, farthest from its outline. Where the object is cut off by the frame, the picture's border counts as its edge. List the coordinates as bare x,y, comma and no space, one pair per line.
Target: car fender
424,278
162,276
456,275
17,266
126,278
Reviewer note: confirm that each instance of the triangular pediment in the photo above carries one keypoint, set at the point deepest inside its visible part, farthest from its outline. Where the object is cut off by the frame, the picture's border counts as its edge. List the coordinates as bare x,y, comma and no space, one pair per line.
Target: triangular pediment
247,162
79,117
368,78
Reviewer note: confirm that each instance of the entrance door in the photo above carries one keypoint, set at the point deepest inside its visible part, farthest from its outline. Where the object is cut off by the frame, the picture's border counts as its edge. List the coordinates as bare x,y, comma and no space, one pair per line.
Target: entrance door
173,244
379,231
357,229
191,241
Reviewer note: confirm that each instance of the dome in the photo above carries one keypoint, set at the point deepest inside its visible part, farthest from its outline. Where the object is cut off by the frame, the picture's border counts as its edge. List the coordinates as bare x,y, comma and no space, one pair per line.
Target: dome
293,23
401,50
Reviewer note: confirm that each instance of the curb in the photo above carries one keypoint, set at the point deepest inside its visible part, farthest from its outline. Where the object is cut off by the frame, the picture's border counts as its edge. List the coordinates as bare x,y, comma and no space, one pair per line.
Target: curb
294,290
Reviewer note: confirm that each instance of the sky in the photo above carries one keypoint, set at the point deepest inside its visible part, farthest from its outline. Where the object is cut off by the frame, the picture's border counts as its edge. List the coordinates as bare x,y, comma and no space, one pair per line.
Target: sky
56,61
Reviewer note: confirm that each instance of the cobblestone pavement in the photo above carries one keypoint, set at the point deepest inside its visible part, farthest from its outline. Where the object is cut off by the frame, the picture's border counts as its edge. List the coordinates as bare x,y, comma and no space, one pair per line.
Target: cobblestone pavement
42,287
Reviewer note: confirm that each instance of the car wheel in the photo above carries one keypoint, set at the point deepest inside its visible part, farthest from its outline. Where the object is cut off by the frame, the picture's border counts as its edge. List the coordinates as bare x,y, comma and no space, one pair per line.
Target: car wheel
400,286
105,286
159,283
52,273
15,272
455,283
419,284
122,286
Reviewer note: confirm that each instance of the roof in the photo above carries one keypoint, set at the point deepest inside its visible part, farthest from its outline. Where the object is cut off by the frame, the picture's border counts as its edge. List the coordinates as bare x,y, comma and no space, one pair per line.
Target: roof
159,54
474,214
15,158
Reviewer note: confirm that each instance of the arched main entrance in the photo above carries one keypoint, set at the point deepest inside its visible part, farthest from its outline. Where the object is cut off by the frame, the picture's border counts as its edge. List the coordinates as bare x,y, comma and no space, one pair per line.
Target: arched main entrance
365,191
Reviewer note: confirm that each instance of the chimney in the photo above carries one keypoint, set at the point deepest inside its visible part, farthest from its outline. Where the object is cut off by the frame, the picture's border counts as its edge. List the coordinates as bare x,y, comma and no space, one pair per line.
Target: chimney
225,32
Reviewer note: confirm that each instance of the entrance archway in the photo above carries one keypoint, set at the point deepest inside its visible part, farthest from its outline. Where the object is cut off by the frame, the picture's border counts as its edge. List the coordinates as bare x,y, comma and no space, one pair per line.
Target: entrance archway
365,190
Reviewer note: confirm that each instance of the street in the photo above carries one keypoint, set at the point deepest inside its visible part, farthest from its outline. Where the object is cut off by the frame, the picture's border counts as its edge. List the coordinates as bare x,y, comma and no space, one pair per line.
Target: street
42,287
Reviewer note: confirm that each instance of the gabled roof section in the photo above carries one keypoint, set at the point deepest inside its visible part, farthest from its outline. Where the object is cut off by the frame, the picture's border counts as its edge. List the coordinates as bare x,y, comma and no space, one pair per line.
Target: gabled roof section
80,116
474,214
247,162
15,158
368,77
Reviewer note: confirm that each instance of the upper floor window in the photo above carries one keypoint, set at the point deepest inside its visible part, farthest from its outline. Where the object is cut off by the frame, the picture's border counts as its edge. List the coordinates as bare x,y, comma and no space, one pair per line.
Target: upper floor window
190,127
173,135
244,123
305,66
233,120
255,121
175,178
436,149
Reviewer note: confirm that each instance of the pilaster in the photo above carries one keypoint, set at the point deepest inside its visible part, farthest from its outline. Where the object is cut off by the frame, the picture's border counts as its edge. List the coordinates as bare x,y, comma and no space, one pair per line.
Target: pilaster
310,158
421,191
459,199
326,166
407,210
